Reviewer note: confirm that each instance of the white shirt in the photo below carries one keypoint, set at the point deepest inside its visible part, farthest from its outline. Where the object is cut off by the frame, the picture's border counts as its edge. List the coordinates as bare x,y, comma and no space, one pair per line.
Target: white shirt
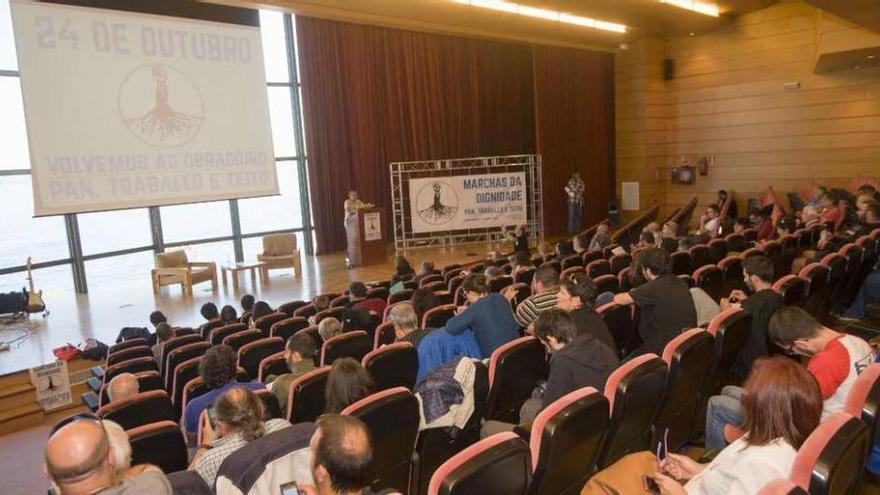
742,469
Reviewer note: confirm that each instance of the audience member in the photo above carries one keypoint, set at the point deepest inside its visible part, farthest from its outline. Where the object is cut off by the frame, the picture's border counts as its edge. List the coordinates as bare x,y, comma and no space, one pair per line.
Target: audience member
164,333
426,269
520,237
836,359
493,271
402,270
709,221
563,250
521,261
247,308
79,460
670,230
121,448
581,243
869,293
545,250
684,244
764,301
809,216
122,386
261,309
577,296
422,300
299,352
741,224
341,452
869,220
732,209
760,219
347,383
668,244
235,419
406,324
545,286
646,240
210,313
329,327
601,238
666,307
358,299
228,315
653,228
488,315
320,303
157,318
785,226
218,369
829,204
576,361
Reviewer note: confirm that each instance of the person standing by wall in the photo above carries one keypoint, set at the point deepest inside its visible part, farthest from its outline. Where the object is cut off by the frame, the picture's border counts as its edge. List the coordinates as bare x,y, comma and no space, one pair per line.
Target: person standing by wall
575,191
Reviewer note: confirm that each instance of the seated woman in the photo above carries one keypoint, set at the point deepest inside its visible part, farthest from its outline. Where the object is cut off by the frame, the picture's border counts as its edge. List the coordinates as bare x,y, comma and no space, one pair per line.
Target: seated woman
783,405
347,383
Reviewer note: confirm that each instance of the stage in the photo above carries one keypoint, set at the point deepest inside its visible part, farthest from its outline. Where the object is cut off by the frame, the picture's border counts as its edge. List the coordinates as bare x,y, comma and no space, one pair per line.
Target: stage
129,301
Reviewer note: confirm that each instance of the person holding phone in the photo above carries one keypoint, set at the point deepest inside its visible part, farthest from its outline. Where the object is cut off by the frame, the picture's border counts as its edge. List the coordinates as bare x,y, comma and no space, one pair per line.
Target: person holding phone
782,404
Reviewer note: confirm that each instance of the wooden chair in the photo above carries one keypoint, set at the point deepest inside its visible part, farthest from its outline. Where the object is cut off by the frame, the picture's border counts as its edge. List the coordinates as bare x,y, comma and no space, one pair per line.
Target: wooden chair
173,268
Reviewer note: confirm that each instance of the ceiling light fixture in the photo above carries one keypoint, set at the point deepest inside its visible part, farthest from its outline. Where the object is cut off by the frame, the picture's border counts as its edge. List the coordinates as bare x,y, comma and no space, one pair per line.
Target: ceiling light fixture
539,13
695,6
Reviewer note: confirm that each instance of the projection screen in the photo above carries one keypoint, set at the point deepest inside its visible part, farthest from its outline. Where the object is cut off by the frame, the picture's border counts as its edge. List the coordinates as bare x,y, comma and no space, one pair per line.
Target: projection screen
126,109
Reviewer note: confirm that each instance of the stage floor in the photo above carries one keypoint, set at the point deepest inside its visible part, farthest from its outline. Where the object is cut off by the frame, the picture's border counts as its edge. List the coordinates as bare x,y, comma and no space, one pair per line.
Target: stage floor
129,301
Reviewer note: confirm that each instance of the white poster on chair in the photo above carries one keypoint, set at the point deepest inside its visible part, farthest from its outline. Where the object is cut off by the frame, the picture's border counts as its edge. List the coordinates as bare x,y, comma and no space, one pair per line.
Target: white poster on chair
462,202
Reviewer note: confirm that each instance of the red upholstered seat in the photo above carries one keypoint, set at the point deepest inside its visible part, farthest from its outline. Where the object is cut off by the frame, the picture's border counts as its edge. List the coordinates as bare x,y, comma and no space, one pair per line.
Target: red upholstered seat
126,344
305,399
736,243
183,373
680,263
393,365
274,364
128,353
621,322
400,296
497,464
634,392
781,487
355,344
337,312
732,274
499,282
287,327
598,268
606,283
717,250
618,262
833,457
514,370
566,439
179,355
689,359
141,409
384,335
593,255
710,278
174,344
161,444
264,323
568,272
731,329
748,253
250,355
699,256
817,277
863,400
306,311
240,339
289,308
572,261
216,336
131,366
438,316
793,290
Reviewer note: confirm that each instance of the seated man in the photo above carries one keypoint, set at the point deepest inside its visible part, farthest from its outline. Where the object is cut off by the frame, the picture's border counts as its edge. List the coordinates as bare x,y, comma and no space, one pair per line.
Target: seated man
545,286
235,419
329,327
79,459
577,297
426,269
601,238
321,303
122,387
836,359
869,293
299,352
164,333
247,308
341,451
669,230
406,327
218,369
709,220
666,307
210,313
358,299
580,243
488,315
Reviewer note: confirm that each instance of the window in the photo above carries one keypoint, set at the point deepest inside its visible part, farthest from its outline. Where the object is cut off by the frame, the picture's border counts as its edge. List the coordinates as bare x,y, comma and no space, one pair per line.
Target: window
221,253
108,274
274,212
13,134
282,121
195,221
43,239
52,281
107,231
7,43
274,46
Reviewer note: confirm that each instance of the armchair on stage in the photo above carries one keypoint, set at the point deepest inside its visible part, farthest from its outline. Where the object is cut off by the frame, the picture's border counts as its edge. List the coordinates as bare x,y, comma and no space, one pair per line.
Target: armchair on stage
280,251
174,268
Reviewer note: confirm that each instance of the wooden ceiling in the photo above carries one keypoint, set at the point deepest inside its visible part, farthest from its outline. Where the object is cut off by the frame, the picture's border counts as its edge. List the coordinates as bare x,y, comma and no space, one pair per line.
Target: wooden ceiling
642,18
865,13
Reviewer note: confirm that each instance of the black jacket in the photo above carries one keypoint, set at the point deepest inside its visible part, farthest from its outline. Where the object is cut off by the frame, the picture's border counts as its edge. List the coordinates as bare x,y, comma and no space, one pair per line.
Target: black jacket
583,362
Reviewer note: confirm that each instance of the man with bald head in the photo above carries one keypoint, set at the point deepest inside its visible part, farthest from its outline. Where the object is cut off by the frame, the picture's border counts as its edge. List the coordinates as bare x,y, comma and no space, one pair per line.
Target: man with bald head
341,451
122,387
80,460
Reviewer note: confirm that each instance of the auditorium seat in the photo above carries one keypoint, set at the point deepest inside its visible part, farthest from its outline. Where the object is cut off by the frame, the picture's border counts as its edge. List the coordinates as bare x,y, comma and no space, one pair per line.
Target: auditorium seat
136,365
378,293
855,256
438,316
634,392
863,400
218,334
275,364
427,279
180,355
608,251
271,408
748,253
338,312
514,370
126,344
436,445
618,262
305,399
566,439
717,250
699,256
392,416
736,243
624,279
355,344
497,283
174,344
239,339
252,354
206,328
681,263
128,353
289,308
161,444
183,373
188,483
572,261
817,277
287,327
450,273
790,251
731,329
264,323
836,264
781,487
623,324
568,272
524,276
793,290
139,410
522,292
393,365
710,278
750,235
400,296
340,301
598,268
384,335
689,360
773,250
606,283
832,458
181,331
498,464
591,255
732,274
147,381
197,387
306,311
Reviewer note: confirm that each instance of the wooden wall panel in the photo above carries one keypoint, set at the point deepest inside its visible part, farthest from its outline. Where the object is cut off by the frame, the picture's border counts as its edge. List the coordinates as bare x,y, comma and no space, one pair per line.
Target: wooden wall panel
727,100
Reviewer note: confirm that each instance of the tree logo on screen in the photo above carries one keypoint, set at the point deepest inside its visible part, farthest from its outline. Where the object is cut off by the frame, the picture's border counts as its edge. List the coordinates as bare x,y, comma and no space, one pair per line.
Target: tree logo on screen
160,106
437,203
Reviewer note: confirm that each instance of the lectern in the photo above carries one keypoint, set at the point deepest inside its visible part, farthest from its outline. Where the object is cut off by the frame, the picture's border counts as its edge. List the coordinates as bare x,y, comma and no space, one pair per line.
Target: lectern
371,241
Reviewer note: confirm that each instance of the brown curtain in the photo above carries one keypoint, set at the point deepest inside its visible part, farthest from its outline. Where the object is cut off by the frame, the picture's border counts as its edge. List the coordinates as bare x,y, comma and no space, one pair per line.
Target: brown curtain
574,110
374,95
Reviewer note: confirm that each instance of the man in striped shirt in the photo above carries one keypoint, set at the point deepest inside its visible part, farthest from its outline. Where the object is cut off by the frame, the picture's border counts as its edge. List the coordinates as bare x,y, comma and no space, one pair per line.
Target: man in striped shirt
545,286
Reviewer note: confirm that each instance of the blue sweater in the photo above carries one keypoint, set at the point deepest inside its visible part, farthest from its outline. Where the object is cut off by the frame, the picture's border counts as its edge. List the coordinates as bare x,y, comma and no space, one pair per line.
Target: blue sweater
492,321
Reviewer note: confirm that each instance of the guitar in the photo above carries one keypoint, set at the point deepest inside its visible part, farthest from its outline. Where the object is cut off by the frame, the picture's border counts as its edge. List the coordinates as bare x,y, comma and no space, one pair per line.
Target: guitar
35,302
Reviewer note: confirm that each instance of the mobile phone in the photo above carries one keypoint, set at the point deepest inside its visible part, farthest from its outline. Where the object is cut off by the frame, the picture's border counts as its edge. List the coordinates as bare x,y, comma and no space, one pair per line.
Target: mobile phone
291,488
651,486
663,449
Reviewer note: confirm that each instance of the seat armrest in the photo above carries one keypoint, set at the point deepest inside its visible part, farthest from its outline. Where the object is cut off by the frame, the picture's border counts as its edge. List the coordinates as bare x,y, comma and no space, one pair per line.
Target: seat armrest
94,384
98,373
90,400
524,430
206,264
171,271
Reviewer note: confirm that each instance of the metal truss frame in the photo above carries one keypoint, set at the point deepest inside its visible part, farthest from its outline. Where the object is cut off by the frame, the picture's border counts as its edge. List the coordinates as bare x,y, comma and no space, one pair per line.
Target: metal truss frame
402,172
